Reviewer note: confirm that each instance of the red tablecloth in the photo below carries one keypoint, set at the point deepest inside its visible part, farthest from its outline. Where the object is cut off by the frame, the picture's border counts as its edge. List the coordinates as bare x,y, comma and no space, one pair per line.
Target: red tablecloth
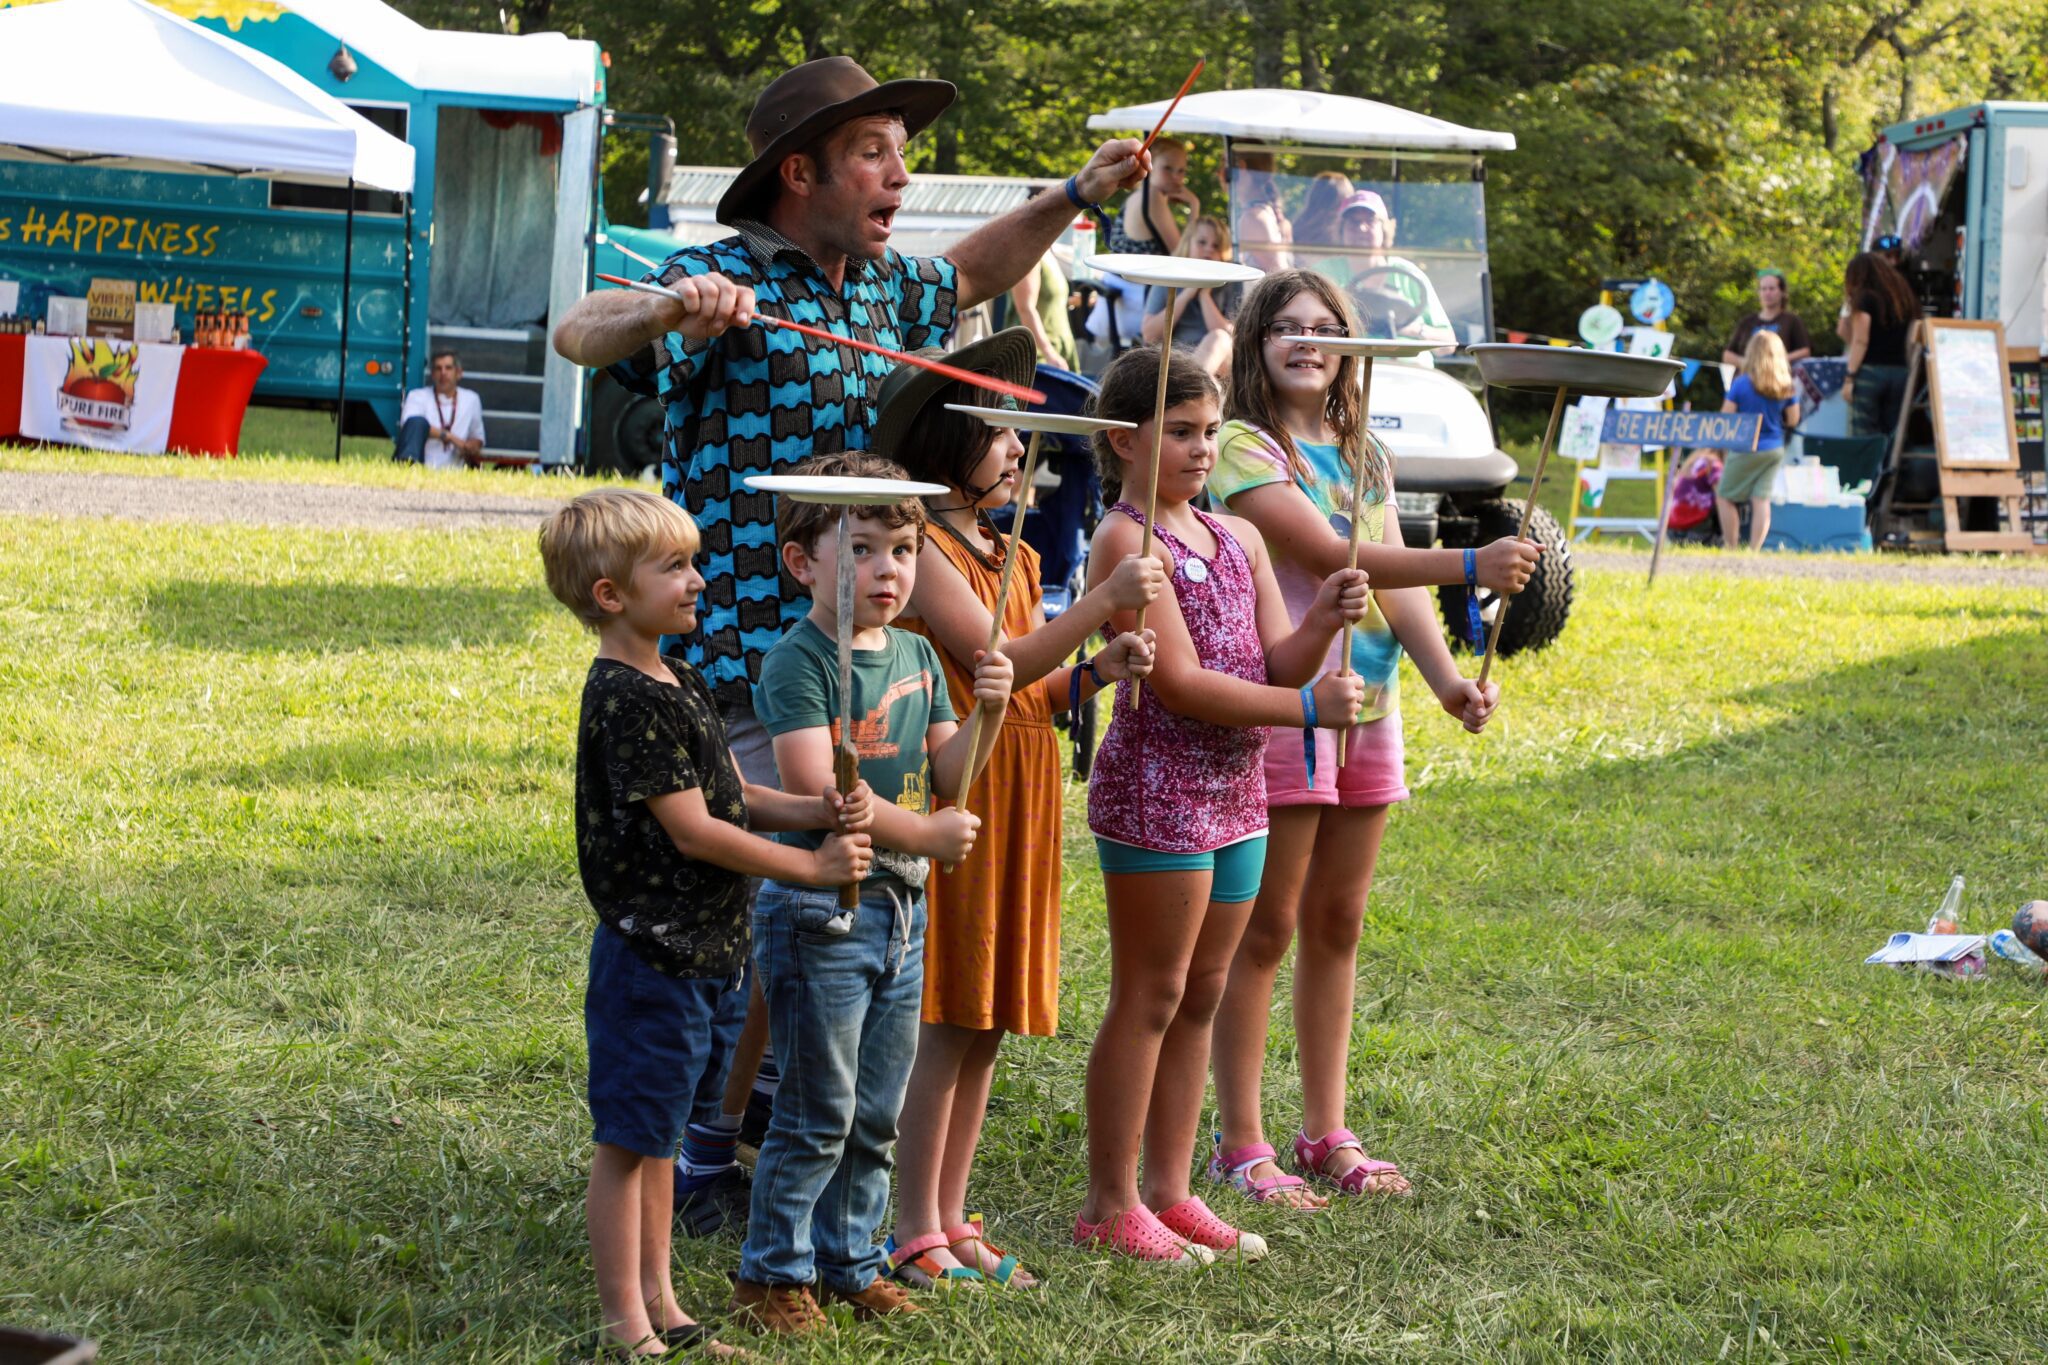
206,413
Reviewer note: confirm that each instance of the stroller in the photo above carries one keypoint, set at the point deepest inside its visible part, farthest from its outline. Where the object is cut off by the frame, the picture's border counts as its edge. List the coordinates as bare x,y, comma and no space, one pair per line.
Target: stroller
1066,504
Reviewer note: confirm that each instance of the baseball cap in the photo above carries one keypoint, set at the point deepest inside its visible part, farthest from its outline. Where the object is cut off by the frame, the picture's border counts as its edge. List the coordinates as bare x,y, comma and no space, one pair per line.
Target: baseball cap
1364,199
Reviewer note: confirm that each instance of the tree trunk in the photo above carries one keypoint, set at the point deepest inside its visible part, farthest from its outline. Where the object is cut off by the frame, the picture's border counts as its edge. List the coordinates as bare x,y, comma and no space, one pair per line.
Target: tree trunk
946,148
1830,130
1269,42
1305,41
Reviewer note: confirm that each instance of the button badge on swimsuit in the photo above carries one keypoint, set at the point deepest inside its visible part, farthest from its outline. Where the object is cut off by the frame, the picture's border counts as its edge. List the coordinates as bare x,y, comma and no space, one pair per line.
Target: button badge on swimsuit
1196,570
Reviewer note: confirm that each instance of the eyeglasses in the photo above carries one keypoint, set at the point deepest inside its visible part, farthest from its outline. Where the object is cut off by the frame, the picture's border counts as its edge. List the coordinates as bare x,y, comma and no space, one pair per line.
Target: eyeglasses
1288,331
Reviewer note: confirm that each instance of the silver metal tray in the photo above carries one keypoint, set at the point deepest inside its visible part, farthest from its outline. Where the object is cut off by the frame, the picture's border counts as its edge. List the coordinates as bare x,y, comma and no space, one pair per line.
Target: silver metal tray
1596,374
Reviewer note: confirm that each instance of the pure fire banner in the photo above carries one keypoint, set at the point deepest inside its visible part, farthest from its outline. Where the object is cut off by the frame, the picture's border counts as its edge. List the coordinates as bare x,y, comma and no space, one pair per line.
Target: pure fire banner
99,392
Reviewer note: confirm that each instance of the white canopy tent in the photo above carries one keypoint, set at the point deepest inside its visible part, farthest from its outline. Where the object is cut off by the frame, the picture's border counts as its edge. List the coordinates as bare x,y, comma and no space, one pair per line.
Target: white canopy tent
158,92
1306,116
549,66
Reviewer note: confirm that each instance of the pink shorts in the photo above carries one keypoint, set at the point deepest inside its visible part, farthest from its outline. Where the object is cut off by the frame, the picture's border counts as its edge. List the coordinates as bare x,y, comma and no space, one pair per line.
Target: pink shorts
1371,777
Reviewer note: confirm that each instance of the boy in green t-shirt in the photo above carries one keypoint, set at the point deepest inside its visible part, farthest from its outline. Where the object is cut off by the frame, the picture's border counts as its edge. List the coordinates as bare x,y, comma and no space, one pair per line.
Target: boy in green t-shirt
844,997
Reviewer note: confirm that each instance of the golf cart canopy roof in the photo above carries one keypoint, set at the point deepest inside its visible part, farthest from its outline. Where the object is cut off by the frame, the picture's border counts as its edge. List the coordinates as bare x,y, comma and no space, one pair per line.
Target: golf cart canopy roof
1306,116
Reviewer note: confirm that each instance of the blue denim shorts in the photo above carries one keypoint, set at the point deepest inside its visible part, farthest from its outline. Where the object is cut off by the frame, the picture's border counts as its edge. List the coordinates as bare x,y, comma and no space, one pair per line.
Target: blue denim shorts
655,1062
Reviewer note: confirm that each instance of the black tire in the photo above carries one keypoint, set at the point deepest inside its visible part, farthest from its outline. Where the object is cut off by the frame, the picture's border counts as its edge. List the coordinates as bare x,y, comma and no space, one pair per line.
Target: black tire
1540,609
625,431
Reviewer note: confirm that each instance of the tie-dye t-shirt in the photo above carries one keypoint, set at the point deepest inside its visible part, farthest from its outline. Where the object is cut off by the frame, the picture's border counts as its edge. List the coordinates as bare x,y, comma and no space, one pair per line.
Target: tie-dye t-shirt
1248,459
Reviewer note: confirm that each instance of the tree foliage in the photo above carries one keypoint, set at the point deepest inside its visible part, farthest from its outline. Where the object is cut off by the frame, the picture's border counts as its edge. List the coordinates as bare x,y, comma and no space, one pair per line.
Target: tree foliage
1698,140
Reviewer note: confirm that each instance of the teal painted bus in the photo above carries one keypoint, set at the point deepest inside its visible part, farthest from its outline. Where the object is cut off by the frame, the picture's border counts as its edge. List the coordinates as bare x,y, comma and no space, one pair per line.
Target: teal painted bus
495,239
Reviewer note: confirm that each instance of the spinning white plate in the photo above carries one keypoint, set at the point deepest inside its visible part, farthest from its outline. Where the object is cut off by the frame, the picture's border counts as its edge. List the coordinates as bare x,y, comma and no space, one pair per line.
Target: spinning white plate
1041,421
839,490
1175,272
1373,348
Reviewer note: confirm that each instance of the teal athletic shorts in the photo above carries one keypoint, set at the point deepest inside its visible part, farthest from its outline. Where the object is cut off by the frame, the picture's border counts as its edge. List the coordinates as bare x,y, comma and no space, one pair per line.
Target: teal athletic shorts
1238,867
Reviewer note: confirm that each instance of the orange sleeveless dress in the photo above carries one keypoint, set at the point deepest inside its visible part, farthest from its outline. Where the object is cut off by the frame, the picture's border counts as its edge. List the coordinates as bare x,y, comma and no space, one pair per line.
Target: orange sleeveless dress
992,951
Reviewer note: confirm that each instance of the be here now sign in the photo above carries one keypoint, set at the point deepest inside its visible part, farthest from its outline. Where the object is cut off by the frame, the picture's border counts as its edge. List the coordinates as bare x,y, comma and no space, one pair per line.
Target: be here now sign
1713,430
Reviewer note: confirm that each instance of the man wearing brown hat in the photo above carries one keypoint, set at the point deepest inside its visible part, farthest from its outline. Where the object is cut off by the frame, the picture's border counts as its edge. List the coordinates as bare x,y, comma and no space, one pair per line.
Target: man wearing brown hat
812,213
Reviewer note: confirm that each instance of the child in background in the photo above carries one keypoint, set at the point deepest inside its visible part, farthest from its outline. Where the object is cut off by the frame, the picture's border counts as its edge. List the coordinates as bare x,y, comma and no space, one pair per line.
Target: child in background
1764,388
843,1000
1178,803
992,958
664,847
1288,466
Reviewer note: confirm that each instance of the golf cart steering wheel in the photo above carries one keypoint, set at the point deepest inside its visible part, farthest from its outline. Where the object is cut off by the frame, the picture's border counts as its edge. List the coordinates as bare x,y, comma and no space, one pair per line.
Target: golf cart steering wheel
1381,304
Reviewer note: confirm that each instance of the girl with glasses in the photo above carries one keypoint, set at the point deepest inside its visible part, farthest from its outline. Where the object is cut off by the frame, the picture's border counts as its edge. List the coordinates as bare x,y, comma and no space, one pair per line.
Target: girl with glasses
1287,464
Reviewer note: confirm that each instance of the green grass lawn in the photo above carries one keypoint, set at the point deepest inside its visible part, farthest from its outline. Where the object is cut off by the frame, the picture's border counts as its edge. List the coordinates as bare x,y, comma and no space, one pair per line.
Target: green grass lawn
292,951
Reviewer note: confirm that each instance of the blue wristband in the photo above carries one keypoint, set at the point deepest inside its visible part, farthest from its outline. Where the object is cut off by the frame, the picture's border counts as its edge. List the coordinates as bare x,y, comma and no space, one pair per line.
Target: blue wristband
1074,194
1473,623
1101,683
1308,734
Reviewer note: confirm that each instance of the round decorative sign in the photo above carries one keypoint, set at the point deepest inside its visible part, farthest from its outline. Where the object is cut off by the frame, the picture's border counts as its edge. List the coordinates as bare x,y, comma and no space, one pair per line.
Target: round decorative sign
1600,324
1652,302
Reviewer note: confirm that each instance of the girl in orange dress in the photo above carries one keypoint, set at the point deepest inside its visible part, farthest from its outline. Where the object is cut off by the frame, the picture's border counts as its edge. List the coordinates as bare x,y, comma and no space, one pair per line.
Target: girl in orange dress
992,951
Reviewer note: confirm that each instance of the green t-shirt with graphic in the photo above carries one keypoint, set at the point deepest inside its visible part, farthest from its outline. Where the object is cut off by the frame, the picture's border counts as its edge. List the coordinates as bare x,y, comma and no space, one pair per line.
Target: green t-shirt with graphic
1247,458
898,691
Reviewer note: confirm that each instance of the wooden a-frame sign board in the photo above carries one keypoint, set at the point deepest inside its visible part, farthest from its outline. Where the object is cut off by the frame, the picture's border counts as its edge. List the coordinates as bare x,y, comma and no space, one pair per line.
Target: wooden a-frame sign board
1977,452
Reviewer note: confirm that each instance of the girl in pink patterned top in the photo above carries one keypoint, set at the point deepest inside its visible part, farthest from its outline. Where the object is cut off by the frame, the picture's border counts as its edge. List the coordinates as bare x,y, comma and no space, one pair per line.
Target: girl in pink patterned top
1178,803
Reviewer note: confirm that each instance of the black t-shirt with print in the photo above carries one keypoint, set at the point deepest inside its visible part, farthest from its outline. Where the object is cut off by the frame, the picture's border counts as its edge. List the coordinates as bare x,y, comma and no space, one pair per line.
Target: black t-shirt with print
640,737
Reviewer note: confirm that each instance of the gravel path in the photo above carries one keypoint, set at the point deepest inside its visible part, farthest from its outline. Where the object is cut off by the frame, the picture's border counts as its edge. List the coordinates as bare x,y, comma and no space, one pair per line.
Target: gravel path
1960,571
260,504
337,506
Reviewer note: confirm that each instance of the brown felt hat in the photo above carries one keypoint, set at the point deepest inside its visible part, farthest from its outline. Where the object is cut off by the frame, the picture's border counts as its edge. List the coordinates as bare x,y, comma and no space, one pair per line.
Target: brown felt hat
1010,354
806,102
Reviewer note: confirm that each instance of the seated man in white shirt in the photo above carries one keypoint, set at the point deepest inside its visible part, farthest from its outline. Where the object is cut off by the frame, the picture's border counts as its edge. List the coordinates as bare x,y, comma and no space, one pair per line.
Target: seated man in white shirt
441,425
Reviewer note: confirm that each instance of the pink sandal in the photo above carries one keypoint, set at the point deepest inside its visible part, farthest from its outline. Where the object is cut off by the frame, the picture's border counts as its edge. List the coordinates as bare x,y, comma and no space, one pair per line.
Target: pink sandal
1193,1221
1139,1234
1234,1168
1309,1158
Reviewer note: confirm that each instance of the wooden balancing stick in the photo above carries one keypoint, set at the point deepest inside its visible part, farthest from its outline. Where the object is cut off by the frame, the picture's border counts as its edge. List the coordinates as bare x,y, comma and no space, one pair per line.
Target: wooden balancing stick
846,493
845,758
980,381
1357,527
1528,508
995,625
1158,437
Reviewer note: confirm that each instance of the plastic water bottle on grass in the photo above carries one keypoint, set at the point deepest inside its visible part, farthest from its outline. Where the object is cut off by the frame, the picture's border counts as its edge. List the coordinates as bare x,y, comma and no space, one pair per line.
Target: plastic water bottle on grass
2008,946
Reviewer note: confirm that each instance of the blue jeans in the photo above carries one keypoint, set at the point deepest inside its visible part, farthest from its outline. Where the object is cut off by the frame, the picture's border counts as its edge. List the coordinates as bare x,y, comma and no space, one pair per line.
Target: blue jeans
411,445
842,1012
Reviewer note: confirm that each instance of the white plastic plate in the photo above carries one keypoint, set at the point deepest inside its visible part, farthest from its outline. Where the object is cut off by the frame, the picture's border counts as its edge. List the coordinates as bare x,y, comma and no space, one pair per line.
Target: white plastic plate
1027,420
1175,272
839,490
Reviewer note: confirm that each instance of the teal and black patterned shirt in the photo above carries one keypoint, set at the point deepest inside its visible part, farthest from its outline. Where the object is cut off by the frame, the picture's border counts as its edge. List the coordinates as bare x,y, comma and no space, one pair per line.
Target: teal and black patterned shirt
759,399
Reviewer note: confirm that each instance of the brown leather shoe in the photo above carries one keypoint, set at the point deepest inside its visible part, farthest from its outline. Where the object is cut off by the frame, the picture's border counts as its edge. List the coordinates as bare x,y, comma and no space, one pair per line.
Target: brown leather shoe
780,1309
883,1298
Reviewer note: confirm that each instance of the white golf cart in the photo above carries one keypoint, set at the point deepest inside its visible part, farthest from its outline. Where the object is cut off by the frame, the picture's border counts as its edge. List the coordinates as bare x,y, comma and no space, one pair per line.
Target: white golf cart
1419,271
